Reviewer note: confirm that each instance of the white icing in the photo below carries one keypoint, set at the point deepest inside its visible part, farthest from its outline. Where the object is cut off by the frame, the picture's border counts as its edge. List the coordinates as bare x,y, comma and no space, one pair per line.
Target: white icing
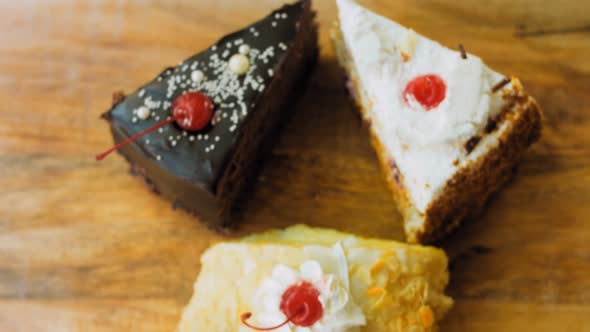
423,144
328,272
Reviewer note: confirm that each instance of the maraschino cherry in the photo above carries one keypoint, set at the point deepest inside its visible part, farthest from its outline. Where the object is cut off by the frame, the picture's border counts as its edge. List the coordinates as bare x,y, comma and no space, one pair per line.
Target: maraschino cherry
191,111
428,90
300,303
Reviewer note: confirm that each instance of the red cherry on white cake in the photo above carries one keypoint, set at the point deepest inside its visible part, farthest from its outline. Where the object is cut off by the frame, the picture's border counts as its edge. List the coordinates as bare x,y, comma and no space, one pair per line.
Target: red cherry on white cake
428,90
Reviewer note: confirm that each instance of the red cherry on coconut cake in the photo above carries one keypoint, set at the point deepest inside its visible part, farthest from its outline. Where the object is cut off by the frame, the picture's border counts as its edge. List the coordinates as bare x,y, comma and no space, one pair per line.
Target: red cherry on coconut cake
310,299
301,305
192,111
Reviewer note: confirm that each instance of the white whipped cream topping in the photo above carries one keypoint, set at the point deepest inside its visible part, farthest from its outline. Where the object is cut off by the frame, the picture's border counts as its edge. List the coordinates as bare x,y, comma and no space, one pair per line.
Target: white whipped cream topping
424,144
328,272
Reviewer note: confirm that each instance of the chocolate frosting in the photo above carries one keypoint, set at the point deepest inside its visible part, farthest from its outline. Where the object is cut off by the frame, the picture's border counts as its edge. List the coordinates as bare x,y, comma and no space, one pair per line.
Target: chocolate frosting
200,157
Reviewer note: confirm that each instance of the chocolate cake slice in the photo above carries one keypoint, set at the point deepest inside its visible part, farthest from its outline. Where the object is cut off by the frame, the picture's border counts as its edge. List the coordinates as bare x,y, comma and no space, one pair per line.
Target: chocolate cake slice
197,132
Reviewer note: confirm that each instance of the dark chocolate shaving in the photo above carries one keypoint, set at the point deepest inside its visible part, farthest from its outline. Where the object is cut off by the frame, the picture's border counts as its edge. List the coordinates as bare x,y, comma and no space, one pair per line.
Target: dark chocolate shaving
491,125
395,172
472,143
500,84
462,50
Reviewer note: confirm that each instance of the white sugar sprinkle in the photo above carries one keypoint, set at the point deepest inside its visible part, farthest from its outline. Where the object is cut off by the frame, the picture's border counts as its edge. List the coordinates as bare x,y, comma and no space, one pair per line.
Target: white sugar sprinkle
143,112
197,76
173,143
244,49
141,93
158,158
217,138
191,138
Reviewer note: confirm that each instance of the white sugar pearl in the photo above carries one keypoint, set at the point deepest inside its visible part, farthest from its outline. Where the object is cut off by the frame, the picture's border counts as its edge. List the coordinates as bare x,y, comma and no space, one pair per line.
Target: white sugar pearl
244,49
239,64
197,76
143,113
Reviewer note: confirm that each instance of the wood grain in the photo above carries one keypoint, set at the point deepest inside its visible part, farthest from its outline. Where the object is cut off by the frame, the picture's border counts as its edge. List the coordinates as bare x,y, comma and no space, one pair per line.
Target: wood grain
85,247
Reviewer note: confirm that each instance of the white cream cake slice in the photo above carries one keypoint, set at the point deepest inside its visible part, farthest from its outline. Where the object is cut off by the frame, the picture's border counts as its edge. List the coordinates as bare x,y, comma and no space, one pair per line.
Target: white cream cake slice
306,279
448,130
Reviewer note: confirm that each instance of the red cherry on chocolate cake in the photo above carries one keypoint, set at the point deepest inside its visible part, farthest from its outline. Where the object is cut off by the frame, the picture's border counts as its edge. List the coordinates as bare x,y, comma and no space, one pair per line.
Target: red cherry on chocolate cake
192,111
428,90
300,303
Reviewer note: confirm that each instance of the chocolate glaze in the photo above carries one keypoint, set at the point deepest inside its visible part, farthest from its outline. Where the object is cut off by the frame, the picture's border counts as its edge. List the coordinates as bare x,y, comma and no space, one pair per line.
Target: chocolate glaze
192,168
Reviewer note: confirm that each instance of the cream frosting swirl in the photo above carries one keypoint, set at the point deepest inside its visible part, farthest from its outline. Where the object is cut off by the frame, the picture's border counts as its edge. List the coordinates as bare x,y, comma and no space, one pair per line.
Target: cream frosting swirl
328,272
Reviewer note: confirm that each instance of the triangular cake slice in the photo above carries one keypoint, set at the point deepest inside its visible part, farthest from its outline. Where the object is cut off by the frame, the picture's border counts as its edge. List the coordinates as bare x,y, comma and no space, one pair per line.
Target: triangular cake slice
230,100
447,129
309,279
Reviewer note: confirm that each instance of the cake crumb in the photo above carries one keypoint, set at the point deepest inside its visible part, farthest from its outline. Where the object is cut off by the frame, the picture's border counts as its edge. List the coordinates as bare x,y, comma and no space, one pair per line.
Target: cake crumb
426,316
375,291
118,97
407,45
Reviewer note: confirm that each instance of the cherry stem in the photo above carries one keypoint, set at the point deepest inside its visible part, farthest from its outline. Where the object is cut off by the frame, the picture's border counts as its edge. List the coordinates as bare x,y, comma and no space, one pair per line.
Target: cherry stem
133,138
245,316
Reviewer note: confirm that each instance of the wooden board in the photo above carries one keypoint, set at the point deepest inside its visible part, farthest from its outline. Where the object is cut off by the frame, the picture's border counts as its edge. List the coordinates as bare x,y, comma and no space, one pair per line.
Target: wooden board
85,247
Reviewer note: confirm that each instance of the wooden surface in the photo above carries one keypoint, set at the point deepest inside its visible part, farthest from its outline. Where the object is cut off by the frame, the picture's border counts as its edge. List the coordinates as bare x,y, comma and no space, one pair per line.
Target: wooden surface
85,247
